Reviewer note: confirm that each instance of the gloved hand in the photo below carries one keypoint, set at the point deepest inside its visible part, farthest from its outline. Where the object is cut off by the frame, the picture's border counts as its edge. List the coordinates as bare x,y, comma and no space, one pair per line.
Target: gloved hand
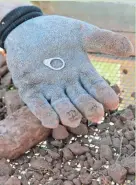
47,57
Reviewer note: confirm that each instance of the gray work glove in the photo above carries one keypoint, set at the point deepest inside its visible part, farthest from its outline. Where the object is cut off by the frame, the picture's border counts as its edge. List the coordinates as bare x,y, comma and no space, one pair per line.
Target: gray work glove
47,57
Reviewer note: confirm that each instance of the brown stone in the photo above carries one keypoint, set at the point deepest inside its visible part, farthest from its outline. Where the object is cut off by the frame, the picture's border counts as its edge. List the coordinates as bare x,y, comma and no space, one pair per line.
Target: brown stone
6,80
105,152
19,132
67,154
12,101
129,164
117,173
5,168
77,148
39,164
60,133
86,178
80,130
127,114
13,181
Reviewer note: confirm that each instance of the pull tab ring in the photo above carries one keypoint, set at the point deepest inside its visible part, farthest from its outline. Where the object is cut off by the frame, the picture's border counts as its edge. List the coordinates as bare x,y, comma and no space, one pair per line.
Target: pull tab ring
48,62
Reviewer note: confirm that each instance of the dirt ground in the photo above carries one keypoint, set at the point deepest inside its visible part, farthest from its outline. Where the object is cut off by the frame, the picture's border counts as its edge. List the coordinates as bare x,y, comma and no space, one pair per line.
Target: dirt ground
91,154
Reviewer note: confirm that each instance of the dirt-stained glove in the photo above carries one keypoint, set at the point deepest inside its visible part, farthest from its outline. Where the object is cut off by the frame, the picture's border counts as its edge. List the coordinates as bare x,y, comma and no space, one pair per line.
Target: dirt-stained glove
47,57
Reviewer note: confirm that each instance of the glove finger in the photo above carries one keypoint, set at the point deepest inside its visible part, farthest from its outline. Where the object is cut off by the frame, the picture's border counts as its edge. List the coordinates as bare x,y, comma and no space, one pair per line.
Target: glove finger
41,109
105,41
100,90
86,104
67,112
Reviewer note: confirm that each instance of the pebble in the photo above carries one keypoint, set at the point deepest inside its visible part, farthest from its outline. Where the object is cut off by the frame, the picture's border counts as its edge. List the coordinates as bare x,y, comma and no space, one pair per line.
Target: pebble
97,165
60,133
77,149
13,181
5,168
12,101
76,182
105,152
67,154
117,173
80,130
86,178
19,128
129,164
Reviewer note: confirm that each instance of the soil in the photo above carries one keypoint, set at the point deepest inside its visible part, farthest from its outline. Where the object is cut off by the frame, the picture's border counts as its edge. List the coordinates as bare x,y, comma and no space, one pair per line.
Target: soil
89,155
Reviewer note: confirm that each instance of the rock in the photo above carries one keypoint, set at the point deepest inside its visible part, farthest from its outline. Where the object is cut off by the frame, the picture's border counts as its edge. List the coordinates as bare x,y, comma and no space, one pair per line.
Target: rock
86,178
117,173
105,152
97,165
56,182
130,177
77,149
103,126
126,115
129,164
19,132
130,135
90,159
3,70
118,123
133,108
80,130
12,101
106,141
39,164
2,93
72,176
94,182
125,141
130,149
116,143
3,179
57,143
37,176
53,154
76,182
60,133
5,168
116,89
132,143
67,154
6,80
68,183
133,94
13,181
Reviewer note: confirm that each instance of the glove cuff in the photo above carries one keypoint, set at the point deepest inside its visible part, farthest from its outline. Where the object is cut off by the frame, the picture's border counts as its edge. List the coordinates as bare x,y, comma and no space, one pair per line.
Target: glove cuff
15,18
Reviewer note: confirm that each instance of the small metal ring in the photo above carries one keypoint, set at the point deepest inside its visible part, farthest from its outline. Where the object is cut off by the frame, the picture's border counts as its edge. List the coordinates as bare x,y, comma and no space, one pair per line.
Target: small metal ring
47,62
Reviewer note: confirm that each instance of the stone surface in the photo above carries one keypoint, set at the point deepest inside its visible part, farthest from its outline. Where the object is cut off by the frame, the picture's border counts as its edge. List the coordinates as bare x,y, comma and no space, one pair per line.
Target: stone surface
5,168
39,164
127,114
12,101
86,179
105,152
19,132
117,173
80,130
60,133
6,80
129,164
67,154
77,148
13,181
